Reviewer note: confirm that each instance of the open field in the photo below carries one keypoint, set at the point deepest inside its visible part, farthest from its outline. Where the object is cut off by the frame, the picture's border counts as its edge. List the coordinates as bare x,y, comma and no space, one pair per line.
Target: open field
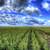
24,38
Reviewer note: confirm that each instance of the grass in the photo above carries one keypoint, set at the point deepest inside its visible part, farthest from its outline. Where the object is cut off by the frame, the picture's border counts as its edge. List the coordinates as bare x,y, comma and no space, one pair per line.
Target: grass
23,38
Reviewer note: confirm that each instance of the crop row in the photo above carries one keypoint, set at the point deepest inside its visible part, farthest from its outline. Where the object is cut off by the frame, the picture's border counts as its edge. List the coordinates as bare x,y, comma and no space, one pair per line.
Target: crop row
23,40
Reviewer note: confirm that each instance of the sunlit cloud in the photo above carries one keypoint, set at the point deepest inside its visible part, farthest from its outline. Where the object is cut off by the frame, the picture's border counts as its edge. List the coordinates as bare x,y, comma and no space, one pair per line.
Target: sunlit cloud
47,23
31,8
46,5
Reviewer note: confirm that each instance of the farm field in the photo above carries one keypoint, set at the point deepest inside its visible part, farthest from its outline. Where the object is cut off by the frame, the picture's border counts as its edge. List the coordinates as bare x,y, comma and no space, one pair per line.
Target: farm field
24,38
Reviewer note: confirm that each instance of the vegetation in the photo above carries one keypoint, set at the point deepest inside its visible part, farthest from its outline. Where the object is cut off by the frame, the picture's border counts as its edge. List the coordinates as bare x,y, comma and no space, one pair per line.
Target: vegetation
23,38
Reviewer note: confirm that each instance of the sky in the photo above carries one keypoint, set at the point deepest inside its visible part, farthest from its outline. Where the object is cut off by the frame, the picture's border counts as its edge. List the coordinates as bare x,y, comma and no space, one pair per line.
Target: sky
36,13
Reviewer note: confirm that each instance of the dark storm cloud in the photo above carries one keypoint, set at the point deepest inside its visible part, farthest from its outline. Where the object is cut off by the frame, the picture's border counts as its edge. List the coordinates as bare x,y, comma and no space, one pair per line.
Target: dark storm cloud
20,3
2,2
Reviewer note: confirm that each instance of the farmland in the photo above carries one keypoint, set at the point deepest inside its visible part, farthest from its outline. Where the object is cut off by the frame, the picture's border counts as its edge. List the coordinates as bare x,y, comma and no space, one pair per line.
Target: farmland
24,38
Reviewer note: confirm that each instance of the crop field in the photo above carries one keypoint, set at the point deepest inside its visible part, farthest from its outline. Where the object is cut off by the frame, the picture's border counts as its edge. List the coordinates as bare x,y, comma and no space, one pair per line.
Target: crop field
24,38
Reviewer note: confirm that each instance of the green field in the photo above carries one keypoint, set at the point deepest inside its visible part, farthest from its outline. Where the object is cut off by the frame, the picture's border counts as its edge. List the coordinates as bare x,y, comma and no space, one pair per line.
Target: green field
24,38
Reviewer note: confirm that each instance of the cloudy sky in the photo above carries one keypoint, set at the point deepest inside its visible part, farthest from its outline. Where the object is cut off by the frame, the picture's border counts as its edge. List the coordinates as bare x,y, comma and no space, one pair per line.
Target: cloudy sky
37,13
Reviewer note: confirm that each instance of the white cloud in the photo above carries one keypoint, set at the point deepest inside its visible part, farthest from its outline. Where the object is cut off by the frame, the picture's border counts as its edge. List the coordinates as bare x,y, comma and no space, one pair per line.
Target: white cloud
46,5
47,23
31,8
